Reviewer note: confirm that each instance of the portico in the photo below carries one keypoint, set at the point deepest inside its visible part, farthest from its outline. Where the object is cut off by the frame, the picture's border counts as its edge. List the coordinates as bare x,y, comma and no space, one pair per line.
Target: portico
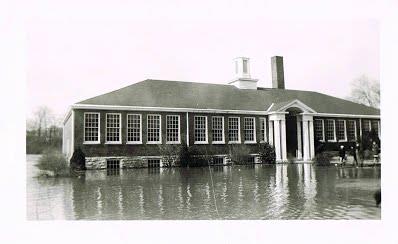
291,131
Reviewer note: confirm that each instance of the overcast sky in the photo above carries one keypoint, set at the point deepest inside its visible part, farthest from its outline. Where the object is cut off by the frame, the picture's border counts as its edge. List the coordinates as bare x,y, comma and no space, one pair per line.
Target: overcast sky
72,59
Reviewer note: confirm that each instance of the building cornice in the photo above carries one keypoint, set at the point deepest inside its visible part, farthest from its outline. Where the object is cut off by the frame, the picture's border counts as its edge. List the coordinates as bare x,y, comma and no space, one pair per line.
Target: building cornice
198,110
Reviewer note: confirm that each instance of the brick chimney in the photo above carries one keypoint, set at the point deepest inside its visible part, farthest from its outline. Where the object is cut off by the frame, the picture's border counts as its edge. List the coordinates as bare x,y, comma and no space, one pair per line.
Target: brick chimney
278,80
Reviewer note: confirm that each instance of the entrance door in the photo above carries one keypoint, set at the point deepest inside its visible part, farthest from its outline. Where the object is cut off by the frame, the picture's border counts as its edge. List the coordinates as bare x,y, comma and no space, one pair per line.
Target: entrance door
291,135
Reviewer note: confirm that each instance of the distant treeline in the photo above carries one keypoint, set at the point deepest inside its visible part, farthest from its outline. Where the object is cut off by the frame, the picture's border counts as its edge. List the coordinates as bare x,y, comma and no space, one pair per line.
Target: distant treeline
44,132
48,139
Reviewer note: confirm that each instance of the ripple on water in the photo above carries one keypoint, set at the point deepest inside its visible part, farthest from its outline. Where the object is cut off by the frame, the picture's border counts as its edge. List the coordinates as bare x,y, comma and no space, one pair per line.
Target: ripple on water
260,192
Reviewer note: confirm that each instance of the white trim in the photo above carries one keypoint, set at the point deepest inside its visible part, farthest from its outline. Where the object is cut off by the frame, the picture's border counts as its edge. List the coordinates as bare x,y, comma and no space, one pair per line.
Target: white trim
345,130
206,130
265,129
378,129
323,129
84,128
347,115
127,131
187,139
254,130
72,149
166,109
67,114
223,130
239,136
334,130
120,129
355,129
299,104
269,108
179,129
196,110
160,129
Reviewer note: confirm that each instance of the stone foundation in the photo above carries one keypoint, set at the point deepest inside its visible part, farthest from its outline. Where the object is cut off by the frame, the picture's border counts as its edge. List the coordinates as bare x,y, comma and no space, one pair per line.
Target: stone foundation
125,162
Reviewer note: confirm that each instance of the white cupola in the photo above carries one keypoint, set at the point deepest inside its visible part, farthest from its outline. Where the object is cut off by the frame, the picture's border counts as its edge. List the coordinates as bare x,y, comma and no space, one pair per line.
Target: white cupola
242,74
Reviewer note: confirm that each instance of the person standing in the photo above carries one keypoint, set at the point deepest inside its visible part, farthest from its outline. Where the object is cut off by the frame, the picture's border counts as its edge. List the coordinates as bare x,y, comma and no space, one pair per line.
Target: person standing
357,154
354,154
375,150
342,155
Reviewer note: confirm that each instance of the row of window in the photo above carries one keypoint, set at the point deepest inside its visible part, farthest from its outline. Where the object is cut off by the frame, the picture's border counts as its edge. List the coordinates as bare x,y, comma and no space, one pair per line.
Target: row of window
134,129
341,130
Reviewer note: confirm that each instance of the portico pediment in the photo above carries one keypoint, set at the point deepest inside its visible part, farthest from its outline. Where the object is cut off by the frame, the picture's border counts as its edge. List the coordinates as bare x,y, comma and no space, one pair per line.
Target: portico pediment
284,106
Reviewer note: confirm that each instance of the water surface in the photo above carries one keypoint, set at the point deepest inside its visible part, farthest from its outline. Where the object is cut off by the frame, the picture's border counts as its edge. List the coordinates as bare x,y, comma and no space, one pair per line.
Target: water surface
295,191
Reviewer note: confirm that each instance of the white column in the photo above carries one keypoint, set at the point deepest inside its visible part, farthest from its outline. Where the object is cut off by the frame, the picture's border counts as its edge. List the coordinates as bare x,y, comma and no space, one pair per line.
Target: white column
277,141
283,139
299,153
308,137
312,146
306,140
278,120
271,132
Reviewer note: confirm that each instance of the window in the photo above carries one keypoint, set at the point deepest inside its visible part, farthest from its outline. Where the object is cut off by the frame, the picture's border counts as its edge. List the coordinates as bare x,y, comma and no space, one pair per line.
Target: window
375,126
217,126
330,130
366,125
153,163
113,164
173,128
351,130
263,122
200,129
153,127
319,130
244,66
134,128
113,128
233,129
249,130
91,127
341,132
218,161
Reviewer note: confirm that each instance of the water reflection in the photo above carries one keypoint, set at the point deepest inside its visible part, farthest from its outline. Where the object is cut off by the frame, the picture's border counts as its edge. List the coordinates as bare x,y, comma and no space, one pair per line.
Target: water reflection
298,191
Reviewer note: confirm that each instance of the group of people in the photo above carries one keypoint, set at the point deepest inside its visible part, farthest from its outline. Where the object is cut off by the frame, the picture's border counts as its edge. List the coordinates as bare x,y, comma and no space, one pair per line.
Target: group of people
355,153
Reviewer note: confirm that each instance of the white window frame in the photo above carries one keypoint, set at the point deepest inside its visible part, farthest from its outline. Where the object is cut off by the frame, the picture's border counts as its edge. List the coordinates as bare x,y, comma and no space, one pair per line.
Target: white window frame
345,130
323,130
263,120
120,129
84,129
369,123
334,130
160,129
254,130
223,130
355,129
206,130
179,129
239,136
127,130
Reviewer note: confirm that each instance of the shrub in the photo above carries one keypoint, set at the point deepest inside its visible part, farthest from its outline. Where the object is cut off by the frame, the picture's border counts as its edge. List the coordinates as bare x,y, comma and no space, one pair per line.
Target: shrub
267,154
239,154
78,160
193,157
323,158
170,154
54,162
185,155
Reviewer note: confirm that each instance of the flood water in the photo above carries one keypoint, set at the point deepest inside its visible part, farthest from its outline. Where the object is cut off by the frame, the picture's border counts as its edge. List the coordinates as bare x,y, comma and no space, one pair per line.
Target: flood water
295,191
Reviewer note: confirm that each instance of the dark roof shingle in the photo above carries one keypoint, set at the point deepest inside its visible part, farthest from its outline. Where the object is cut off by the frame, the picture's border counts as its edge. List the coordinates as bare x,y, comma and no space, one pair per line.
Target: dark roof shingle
177,94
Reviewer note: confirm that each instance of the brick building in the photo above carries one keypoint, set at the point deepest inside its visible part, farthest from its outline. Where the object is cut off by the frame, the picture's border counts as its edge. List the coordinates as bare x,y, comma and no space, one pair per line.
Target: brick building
125,127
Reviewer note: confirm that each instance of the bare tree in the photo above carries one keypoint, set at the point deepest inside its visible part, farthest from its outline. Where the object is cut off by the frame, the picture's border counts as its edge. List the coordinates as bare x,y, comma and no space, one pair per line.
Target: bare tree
365,91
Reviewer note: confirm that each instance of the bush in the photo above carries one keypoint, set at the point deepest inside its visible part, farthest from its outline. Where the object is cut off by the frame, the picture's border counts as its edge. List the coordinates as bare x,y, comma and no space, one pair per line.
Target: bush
78,160
239,154
170,154
54,162
192,157
323,158
267,154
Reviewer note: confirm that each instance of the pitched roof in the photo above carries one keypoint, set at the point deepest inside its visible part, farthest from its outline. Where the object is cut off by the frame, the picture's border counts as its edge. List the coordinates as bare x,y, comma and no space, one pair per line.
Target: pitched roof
177,94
